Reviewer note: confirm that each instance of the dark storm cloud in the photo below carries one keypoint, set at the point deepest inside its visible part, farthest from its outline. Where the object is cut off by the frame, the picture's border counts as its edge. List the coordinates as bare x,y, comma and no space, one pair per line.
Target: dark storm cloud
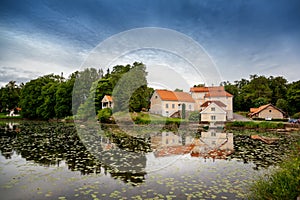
238,34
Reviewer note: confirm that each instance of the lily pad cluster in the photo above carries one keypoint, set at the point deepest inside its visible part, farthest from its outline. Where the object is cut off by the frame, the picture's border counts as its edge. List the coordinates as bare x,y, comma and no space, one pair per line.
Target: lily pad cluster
260,153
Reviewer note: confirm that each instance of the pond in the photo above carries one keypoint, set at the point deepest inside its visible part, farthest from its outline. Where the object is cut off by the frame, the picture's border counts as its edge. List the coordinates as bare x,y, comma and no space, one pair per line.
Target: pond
51,160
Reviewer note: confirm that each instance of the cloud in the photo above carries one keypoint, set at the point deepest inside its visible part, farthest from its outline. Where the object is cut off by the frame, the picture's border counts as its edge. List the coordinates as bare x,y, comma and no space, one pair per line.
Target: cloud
242,38
14,74
32,55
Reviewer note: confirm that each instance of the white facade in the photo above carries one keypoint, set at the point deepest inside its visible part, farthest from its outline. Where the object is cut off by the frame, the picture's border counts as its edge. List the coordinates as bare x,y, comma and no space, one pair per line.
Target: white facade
168,107
213,113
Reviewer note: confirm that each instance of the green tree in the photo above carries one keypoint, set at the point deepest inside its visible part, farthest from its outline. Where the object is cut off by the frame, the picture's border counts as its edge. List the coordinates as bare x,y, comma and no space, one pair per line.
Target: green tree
282,104
48,97
293,97
33,100
87,109
82,86
104,87
257,91
278,85
235,91
130,87
9,96
178,90
63,106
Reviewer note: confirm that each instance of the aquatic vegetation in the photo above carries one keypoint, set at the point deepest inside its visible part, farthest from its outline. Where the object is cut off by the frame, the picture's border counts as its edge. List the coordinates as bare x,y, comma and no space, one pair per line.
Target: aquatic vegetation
52,160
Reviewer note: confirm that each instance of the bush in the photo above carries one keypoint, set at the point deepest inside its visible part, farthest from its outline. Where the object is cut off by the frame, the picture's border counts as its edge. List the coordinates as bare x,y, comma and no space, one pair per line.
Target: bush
296,115
141,118
194,116
174,121
104,115
283,183
255,125
270,125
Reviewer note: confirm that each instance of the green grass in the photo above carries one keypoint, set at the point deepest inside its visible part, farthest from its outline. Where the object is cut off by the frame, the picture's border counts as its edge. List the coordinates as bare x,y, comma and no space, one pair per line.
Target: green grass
255,125
283,183
3,116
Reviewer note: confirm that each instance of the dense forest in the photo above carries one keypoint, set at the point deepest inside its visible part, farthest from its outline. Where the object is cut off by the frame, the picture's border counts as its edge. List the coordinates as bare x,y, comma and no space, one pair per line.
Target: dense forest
52,96
261,90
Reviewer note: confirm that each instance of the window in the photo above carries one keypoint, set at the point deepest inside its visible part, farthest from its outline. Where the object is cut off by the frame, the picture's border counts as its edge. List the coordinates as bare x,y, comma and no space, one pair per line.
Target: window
167,105
213,134
173,105
213,142
213,109
213,117
190,107
155,97
270,110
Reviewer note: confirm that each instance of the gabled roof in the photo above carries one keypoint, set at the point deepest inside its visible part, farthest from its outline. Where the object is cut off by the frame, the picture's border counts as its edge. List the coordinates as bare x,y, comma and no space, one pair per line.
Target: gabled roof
167,95
213,91
218,94
107,97
207,103
261,108
216,111
206,89
183,96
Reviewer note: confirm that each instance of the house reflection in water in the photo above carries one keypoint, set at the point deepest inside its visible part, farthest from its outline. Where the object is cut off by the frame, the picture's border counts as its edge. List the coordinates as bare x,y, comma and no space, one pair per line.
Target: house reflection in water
211,144
168,143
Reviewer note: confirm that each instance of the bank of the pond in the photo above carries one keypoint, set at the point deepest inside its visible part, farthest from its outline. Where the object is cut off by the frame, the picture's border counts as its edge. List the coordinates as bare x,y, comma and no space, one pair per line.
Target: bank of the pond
282,183
262,125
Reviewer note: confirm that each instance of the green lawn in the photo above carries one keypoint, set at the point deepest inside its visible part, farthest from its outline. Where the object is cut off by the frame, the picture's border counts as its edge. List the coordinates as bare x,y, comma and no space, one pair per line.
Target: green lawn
3,116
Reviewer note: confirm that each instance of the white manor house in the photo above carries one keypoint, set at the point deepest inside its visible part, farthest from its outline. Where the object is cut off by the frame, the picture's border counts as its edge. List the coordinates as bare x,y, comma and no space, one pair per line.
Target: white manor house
213,103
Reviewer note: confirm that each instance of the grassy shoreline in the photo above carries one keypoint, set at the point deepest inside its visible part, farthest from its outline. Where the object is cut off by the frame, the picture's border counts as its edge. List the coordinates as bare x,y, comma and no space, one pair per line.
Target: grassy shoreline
281,183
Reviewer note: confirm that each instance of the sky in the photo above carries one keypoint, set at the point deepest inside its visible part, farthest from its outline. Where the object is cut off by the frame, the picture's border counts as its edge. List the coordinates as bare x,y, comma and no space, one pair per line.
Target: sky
241,38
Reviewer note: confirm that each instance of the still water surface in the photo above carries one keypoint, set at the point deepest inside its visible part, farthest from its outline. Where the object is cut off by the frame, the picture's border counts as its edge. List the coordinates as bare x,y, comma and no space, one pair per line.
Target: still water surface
49,160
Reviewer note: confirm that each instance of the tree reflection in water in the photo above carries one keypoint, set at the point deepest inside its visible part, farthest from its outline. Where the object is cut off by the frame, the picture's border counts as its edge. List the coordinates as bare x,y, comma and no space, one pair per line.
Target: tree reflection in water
124,157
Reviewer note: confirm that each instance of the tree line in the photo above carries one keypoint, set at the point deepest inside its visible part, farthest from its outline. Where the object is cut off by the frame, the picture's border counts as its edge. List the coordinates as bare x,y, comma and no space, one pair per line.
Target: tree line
53,96
261,90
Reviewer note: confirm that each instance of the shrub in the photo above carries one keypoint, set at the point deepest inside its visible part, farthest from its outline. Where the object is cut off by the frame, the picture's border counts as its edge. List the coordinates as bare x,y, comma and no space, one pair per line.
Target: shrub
296,115
281,184
270,125
194,116
175,121
141,118
104,115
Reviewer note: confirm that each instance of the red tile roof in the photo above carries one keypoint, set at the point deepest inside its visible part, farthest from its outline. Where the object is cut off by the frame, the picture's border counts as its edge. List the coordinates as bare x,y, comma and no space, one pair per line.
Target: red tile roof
254,111
108,97
218,94
214,91
168,95
207,103
174,150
